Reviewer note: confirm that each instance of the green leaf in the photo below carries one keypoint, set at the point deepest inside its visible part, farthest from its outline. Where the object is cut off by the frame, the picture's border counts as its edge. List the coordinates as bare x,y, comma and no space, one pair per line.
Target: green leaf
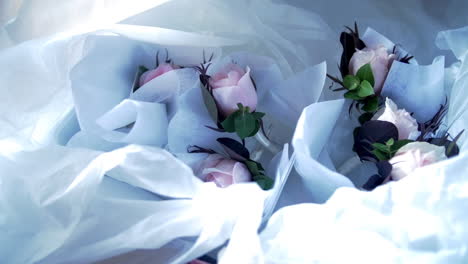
381,147
229,123
260,167
210,103
263,181
390,142
245,124
252,166
379,154
258,115
351,82
257,128
234,149
352,95
371,105
452,149
365,89
365,117
365,74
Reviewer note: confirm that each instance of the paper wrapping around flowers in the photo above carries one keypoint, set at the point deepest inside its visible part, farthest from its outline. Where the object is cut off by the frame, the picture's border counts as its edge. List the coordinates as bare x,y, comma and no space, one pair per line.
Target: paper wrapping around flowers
417,89
108,220
34,119
102,88
421,218
310,138
456,82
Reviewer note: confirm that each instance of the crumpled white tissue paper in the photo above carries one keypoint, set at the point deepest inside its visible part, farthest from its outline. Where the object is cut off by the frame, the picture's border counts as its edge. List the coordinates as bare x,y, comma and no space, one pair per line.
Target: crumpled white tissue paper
56,207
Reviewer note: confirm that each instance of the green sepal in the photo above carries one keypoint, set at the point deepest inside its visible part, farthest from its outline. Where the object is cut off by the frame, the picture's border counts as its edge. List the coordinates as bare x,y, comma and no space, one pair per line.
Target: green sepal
258,115
365,89
229,124
257,128
352,95
245,124
365,74
351,82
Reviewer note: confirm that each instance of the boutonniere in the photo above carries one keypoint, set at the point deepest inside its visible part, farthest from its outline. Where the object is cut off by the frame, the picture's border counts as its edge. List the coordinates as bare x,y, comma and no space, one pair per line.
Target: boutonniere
235,166
230,96
396,140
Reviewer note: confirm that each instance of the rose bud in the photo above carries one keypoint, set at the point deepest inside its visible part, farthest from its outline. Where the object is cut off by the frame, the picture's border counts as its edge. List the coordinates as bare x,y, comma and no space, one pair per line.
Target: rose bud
415,155
160,70
224,171
380,62
407,126
231,86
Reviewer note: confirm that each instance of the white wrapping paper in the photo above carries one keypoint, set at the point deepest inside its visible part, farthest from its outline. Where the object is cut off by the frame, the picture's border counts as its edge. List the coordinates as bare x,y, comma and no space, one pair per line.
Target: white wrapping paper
420,219
312,134
101,222
457,116
406,82
46,97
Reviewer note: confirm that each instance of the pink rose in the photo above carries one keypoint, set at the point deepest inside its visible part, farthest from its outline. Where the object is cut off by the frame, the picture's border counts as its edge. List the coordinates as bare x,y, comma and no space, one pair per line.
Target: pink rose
407,126
415,155
380,63
224,171
231,86
160,70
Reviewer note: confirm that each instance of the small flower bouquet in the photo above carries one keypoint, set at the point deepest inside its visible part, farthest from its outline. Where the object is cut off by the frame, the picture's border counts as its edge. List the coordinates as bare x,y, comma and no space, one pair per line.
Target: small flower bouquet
420,218
395,118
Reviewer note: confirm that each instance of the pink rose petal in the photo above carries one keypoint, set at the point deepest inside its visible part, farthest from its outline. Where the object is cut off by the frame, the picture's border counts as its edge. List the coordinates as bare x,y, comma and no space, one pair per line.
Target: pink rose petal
160,70
228,97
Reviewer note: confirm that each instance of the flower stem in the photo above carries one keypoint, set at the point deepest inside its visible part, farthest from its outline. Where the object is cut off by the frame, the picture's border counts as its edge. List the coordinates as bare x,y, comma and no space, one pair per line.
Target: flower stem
266,143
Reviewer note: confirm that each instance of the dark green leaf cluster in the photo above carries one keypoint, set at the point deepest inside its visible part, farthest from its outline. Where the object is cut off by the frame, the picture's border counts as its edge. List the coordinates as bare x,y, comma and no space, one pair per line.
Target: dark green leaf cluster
244,123
361,89
389,149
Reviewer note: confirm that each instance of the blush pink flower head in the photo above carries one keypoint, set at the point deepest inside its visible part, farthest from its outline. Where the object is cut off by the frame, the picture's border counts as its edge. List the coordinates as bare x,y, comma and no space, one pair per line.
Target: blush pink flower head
224,171
415,155
407,126
160,70
231,86
380,62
